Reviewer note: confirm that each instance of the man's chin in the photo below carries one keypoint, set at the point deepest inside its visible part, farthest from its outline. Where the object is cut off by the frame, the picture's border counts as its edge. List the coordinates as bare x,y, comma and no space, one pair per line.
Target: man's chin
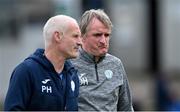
73,56
103,54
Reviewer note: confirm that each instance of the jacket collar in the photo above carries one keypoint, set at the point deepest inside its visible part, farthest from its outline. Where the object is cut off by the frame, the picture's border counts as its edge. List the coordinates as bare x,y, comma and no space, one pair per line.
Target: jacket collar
68,65
39,57
89,57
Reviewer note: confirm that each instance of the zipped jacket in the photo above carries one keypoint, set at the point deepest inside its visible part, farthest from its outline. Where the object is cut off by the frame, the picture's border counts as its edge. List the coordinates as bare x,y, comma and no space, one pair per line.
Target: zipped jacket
103,85
35,85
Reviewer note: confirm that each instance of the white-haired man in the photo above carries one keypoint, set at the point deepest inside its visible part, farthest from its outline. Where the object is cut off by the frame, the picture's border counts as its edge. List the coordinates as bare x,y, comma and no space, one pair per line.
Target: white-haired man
45,80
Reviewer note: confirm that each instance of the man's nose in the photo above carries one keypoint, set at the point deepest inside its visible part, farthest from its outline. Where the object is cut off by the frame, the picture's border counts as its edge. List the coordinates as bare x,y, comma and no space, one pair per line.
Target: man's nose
103,39
79,42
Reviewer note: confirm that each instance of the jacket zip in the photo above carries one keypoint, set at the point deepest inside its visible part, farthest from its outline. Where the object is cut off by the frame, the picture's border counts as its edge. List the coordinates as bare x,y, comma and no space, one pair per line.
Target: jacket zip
97,77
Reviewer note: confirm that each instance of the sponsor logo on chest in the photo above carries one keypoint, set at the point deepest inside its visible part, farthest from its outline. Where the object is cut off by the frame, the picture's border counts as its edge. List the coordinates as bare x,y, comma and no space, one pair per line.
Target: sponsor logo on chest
83,79
48,89
45,88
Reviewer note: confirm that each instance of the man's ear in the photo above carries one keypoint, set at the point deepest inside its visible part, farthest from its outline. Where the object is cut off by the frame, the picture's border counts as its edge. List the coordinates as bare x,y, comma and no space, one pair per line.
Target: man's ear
58,36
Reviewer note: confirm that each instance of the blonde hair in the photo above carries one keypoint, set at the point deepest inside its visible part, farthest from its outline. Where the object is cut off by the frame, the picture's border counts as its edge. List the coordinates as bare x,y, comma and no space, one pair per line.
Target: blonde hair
89,15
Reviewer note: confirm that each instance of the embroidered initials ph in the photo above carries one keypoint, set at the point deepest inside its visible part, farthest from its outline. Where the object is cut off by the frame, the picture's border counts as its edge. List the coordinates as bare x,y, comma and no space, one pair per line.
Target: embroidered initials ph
46,89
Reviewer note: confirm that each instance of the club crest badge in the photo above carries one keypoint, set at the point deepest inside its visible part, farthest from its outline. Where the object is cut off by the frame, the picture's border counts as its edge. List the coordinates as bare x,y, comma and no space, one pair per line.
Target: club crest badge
108,74
72,86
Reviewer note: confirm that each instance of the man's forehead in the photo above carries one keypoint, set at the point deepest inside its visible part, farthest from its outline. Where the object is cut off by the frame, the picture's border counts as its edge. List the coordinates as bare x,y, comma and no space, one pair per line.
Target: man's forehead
100,30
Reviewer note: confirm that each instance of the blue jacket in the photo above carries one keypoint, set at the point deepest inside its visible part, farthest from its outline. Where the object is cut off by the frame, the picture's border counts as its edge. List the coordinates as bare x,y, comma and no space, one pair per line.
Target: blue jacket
35,85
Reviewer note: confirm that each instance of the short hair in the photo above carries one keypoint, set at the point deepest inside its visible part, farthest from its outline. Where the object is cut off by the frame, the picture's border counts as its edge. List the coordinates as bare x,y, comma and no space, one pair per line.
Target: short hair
89,15
56,23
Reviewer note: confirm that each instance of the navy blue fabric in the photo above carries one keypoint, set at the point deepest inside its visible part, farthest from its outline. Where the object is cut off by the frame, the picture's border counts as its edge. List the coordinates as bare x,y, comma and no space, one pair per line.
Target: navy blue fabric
35,85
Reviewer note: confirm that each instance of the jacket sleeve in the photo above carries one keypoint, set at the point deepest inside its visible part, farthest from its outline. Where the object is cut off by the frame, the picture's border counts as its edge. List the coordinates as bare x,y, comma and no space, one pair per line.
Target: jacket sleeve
19,91
125,98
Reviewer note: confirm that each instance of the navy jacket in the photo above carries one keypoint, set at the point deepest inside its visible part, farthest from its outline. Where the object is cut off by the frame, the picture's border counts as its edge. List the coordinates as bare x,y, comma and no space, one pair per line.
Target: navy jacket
35,85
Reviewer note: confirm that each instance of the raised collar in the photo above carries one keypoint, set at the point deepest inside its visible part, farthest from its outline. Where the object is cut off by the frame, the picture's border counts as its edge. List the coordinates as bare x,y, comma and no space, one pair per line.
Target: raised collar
89,57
